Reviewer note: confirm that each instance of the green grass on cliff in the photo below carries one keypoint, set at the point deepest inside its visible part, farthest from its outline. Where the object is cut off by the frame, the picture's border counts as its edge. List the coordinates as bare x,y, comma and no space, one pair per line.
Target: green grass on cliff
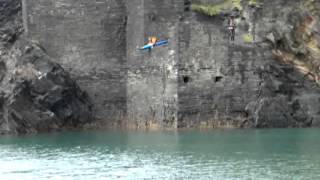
215,9
253,2
311,5
248,38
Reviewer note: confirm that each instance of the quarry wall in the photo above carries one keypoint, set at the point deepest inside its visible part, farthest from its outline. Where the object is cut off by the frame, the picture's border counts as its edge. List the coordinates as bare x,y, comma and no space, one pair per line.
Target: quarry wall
200,79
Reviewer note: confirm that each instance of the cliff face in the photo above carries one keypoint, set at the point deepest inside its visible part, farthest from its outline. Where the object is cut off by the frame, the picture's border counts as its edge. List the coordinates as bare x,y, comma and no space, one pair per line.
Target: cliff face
88,40
36,94
152,83
267,77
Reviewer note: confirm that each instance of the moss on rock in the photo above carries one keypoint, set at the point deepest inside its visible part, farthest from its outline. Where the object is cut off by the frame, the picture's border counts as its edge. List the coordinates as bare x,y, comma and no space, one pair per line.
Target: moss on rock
215,9
248,38
253,2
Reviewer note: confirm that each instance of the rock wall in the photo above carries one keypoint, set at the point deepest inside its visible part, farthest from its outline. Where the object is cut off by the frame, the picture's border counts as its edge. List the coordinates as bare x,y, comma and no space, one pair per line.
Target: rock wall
242,84
152,84
200,79
218,78
36,93
88,38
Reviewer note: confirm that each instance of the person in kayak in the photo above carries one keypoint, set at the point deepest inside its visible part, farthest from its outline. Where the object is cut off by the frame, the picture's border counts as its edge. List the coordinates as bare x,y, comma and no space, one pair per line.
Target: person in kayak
152,41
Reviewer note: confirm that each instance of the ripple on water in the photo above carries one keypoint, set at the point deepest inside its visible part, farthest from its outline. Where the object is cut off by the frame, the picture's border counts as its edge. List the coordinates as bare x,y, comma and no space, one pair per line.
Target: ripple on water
216,155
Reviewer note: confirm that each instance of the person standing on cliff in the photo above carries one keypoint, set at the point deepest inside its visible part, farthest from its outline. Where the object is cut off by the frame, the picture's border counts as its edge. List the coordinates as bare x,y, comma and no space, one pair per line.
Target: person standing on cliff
231,28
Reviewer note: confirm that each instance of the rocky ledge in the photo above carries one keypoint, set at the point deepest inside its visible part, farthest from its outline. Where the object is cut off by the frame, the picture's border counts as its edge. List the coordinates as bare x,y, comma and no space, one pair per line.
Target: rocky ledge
37,95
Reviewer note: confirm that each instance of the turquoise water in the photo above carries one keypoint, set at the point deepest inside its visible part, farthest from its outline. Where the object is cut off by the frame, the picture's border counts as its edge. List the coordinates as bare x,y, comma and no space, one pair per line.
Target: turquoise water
233,154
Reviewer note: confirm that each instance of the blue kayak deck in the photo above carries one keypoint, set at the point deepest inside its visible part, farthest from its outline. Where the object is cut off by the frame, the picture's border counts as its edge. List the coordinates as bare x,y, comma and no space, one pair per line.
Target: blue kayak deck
158,43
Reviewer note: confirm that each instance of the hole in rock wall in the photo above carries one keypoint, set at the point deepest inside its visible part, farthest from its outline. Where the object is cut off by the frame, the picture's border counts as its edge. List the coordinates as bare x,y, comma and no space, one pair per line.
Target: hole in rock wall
300,55
3,70
186,79
218,78
152,16
279,44
187,4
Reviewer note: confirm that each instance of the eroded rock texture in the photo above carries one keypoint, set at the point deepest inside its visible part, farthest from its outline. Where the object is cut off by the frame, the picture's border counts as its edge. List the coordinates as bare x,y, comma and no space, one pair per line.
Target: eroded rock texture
36,94
267,77
88,39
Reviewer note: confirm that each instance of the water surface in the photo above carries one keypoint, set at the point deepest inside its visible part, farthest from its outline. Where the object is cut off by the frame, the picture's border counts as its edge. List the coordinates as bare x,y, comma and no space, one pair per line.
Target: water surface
233,154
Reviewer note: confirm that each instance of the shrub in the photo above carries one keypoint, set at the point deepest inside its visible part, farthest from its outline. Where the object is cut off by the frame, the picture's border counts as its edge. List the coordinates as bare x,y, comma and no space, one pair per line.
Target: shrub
248,38
215,9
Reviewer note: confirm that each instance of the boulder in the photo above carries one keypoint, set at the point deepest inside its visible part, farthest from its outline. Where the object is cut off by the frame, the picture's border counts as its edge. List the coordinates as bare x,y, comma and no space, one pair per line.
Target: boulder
37,94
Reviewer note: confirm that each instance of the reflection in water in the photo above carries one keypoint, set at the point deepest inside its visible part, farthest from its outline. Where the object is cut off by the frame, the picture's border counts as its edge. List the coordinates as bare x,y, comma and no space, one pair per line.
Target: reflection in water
244,154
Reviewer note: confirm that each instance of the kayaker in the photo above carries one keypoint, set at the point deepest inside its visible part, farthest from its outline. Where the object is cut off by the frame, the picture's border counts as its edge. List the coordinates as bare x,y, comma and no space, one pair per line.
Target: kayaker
152,41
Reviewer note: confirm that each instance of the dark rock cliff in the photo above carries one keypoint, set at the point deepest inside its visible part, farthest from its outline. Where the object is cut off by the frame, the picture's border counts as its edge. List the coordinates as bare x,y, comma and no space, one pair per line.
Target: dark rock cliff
249,83
36,94
267,77
204,80
88,38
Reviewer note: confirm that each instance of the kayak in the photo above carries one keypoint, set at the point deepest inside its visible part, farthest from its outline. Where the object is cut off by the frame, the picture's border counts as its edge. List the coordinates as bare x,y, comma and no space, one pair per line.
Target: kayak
148,46
161,43
157,44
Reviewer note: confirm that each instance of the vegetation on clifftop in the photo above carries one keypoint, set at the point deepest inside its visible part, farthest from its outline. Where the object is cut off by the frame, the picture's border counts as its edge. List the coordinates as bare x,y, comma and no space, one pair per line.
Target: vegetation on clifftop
215,9
253,2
